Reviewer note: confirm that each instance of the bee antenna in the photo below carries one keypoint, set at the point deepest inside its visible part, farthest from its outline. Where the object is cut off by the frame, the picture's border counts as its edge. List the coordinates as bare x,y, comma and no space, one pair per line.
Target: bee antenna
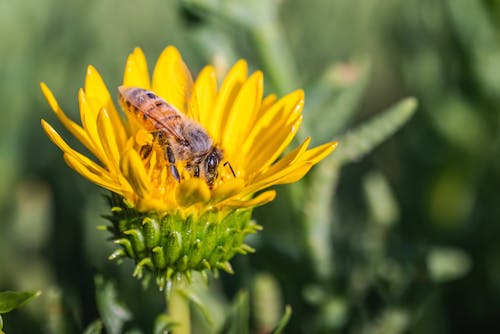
230,167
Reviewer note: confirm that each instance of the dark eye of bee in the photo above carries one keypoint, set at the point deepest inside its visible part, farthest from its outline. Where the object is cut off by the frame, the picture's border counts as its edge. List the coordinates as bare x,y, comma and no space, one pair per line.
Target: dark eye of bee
212,162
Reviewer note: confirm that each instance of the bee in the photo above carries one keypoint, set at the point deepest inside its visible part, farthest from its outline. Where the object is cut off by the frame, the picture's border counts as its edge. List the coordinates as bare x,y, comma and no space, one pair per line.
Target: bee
181,138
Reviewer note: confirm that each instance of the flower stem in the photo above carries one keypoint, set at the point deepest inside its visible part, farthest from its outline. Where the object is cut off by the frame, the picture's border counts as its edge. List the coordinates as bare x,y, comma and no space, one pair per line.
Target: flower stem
178,308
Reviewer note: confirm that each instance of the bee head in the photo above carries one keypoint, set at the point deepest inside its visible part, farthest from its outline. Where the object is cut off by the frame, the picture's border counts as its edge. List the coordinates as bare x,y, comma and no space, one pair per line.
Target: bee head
211,164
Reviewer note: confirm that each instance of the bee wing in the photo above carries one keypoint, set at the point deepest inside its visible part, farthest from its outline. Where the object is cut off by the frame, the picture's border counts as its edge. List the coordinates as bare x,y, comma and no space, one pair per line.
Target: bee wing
171,124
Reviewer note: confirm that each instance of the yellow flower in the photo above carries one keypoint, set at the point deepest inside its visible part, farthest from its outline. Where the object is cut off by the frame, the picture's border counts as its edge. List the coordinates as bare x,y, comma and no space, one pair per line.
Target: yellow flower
171,225
252,131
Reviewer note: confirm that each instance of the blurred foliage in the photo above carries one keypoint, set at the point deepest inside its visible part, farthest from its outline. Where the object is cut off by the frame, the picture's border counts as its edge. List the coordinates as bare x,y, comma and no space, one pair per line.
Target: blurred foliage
386,236
10,300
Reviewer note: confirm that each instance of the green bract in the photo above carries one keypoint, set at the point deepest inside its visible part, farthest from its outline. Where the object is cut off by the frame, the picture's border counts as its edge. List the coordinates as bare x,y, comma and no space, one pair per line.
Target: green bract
164,247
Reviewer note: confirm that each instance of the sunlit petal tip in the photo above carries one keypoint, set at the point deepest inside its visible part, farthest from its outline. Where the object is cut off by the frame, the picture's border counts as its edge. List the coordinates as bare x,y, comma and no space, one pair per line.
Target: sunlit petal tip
300,150
261,199
268,101
318,153
91,70
49,96
136,70
296,174
138,52
258,76
172,79
207,71
54,136
307,141
296,101
330,147
169,56
94,85
192,191
82,99
172,51
239,69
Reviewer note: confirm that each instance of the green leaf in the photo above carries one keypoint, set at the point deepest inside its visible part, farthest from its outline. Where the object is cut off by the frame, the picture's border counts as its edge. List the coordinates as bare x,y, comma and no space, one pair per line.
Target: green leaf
360,141
112,312
237,321
319,220
1,325
10,300
283,321
333,101
163,324
94,328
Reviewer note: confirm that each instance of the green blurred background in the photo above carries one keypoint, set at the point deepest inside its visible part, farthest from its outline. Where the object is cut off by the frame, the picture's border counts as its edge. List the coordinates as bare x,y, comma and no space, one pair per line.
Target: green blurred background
404,239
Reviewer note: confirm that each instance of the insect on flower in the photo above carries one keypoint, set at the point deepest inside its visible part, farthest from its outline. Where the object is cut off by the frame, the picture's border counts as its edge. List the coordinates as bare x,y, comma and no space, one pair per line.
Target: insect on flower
177,205
181,138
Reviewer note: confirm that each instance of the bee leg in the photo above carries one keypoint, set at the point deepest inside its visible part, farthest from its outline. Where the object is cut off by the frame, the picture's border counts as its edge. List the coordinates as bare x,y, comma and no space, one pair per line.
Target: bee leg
145,151
171,160
196,171
160,137
230,167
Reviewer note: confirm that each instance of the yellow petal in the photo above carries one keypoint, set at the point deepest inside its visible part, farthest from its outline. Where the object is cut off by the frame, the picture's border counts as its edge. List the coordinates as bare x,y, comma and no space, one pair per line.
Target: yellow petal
225,99
318,153
91,175
152,164
151,204
136,70
96,90
227,189
271,146
74,128
273,131
268,102
280,166
192,191
261,199
291,157
278,113
205,93
133,169
289,174
172,80
57,140
242,115
292,167
108,141
88,115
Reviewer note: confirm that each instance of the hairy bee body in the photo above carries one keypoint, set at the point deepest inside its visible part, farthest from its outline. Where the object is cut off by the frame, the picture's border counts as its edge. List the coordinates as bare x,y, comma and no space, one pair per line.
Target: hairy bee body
183,139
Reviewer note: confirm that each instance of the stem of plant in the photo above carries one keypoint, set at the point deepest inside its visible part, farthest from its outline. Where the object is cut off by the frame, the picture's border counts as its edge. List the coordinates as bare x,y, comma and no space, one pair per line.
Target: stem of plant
178,308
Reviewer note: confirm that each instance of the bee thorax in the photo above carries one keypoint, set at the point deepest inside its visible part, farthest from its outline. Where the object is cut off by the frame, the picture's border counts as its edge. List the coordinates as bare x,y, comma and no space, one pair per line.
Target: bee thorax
198,140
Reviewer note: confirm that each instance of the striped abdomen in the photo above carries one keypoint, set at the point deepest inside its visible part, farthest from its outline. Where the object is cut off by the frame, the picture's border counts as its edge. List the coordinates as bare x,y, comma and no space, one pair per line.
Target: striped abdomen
149,109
